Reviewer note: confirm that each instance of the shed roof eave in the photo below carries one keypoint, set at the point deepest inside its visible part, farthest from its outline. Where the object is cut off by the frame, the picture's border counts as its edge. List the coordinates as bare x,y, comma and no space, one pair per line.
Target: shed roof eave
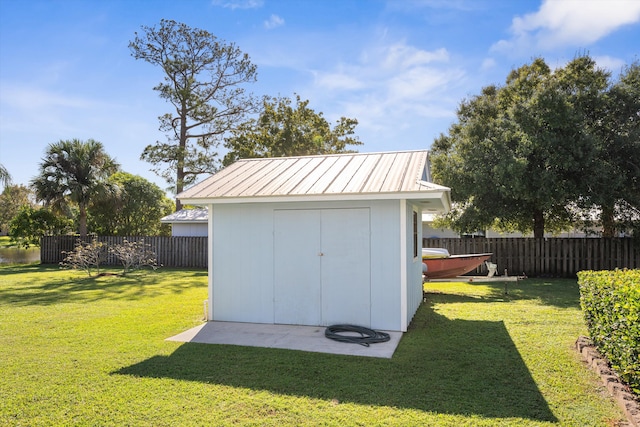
191,221
418,195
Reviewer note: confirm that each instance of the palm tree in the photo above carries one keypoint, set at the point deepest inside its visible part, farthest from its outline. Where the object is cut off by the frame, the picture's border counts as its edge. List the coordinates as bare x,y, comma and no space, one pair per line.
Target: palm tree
73,171
5,177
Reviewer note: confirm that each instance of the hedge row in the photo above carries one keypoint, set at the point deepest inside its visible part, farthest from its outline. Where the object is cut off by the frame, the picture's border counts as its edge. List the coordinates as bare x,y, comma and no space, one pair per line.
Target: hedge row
610,302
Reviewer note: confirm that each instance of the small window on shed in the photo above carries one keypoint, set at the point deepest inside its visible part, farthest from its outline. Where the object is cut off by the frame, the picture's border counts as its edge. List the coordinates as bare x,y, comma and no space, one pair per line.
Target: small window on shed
415,234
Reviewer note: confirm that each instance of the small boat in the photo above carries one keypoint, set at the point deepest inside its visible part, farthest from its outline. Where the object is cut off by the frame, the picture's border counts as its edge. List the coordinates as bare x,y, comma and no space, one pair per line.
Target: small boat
441,264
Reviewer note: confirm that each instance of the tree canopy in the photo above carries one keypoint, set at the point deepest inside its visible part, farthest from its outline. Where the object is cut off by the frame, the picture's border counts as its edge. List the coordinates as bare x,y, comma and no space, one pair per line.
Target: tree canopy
283,129
73,172
614,184
12,199
30,224
203,81
5,177
133,209
521,156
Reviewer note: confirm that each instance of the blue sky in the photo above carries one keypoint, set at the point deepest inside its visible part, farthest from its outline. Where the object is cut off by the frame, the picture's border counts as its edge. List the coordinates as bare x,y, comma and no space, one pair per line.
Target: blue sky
400,67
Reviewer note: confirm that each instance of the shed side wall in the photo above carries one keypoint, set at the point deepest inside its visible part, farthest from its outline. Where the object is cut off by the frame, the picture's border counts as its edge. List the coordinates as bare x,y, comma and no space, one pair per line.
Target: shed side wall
413,264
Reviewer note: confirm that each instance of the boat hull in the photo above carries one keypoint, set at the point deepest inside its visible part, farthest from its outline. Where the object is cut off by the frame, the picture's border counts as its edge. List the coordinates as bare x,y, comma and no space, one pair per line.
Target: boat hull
453,265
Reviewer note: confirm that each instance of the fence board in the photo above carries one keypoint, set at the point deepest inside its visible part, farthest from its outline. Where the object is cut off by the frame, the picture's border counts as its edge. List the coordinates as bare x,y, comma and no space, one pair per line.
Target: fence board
552,257
190,252
557,257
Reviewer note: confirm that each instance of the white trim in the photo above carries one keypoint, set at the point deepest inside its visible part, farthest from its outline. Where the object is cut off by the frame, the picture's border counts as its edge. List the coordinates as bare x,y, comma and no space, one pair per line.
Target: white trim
199,221
423,195
403,265
210,262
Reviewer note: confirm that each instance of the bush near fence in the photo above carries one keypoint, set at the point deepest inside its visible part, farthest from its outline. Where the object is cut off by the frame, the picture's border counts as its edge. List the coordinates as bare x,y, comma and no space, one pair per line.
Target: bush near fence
189,252
610,302
550,257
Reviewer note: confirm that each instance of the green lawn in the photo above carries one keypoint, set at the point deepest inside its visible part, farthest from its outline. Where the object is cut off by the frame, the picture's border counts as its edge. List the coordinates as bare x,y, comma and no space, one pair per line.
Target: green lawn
81,351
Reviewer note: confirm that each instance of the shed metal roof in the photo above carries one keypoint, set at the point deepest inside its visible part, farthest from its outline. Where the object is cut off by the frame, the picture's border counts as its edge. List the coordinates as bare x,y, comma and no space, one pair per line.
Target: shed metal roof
187,216
400,174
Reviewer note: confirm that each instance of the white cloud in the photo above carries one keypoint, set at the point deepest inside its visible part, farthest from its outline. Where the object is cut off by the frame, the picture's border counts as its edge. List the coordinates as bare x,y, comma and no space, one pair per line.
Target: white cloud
615,65
488,64
568,22
401,56
274,21
31,98
391,88
338,80
238,4
419,82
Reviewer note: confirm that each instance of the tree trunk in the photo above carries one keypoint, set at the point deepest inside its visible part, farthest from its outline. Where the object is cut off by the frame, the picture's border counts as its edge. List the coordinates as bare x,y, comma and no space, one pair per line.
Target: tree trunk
608,221
82,220
181,154
538,224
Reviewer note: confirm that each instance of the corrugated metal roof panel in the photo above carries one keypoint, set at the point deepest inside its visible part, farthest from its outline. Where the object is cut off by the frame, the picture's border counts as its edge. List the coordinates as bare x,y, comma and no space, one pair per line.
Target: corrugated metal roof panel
187,215
415,166
397,173
314,177
333,172
378,174
270,174
352,173
358,180
341,181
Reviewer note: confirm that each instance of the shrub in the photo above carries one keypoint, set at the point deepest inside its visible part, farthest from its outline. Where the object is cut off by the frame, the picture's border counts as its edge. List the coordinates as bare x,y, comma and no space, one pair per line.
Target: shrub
610,303
134,255
85,256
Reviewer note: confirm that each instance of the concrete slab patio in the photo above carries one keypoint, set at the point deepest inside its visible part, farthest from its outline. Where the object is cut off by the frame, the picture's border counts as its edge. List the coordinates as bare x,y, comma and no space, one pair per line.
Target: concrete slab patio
291,337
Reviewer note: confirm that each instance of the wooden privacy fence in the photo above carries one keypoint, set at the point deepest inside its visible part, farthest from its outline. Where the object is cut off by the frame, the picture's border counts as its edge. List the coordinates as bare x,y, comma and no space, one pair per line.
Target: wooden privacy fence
556,257
170,251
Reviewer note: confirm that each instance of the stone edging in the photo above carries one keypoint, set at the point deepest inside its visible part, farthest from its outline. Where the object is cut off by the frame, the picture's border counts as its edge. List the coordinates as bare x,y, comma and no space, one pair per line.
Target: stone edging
619,391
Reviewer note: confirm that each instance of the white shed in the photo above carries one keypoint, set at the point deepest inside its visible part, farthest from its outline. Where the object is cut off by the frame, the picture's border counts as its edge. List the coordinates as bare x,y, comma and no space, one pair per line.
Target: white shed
188,222
318,240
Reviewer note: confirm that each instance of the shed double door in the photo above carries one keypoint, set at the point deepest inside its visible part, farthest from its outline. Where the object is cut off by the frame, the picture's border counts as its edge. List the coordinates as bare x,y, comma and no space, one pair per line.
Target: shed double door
322,267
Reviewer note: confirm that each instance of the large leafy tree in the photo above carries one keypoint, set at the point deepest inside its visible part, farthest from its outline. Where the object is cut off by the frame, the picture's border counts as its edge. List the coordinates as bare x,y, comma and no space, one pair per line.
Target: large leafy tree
133,209
283,129
73,172
614,184
518,156
203,81
30,224
12,199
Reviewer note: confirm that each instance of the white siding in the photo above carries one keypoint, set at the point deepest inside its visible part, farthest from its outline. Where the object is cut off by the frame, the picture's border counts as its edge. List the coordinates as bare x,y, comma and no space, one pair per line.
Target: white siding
189,229
413,264
242,274
242,266
297,266
322,272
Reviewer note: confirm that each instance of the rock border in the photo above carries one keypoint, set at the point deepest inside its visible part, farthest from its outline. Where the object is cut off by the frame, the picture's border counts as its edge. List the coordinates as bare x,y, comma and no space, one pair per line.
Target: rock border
629,403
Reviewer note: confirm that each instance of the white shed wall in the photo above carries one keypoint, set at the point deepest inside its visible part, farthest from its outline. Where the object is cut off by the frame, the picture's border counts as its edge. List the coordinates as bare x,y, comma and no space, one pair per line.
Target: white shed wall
413,264
189,229
242,269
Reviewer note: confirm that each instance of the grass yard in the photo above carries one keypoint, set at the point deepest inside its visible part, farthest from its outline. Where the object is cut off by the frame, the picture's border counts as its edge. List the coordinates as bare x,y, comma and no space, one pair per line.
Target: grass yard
91,351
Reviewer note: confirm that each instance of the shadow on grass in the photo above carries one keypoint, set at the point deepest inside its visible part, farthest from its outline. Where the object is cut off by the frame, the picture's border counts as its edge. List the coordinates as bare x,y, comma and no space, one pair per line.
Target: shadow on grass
34,267
562,293
78,287
442,365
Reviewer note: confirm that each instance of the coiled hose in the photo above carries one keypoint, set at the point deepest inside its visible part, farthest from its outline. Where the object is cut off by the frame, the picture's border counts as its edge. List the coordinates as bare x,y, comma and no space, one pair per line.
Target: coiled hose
367,336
